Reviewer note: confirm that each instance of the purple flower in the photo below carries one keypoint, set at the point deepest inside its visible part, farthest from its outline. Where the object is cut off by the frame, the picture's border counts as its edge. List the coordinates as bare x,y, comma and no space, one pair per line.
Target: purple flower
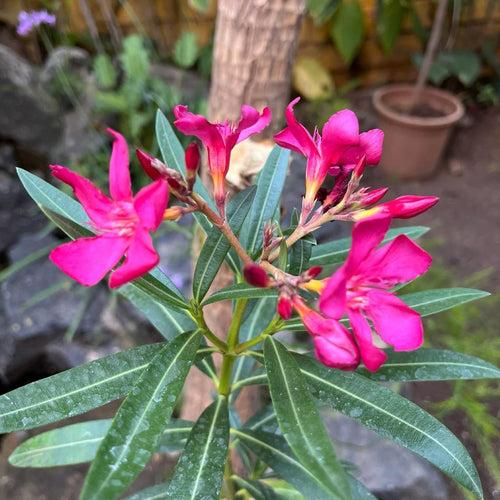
29,20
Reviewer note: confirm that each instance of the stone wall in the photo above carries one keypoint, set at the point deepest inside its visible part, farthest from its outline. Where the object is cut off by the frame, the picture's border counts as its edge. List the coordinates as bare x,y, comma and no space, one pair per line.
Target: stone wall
164,20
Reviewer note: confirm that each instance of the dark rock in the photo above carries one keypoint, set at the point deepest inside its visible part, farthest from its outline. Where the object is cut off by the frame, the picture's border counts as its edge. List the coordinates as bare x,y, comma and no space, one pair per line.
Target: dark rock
18,213
41,303
389,471
64,60
29,116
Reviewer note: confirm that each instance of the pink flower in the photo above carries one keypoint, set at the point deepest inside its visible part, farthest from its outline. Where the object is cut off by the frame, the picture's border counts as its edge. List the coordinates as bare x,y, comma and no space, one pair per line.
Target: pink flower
402,207
334,345
360,289
122,223
339,145
220,139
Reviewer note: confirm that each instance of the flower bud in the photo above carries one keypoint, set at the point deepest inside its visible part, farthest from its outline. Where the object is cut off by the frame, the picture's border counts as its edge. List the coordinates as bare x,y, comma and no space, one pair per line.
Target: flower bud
146,161
255,275
359,168
173,213
284,306
405,207
311,273
367,198
192,157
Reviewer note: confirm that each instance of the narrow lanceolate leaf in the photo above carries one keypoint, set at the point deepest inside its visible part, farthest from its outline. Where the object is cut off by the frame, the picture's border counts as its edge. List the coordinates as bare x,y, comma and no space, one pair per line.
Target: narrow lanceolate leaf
216,245
68,445
275,452
270,184
335,252
426,303
78,443
138,425
257,489
240,291
200,469
69,215
74,391
393,417
157,492
433,301
432,364
299,419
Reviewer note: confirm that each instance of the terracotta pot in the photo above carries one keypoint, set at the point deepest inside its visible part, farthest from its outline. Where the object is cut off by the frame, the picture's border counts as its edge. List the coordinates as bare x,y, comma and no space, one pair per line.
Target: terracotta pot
413,145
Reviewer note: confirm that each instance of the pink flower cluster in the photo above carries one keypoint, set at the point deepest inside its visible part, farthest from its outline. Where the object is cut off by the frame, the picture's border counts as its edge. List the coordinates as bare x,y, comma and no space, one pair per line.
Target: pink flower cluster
359,290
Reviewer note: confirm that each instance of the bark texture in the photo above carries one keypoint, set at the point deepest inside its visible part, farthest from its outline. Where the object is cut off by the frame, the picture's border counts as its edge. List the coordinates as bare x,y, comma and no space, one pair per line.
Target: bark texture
255,43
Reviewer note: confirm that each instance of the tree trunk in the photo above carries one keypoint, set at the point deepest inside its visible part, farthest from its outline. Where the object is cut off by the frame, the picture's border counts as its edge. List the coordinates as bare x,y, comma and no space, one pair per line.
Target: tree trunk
255,42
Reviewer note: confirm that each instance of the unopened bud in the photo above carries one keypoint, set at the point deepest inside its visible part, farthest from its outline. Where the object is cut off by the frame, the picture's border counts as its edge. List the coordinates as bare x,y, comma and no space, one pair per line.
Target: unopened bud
367,198
146,161
360,167
255,275
311,273
173,213
192,157
408,206
284,306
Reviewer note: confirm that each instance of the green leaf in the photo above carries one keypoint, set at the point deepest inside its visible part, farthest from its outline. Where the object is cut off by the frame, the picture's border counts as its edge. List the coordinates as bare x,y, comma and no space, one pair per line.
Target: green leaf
240,291
257,489
322,10
335,252
105,72
157,492
434,301
464,64
78,443
199,5
275,452
432,364
186,50
138,425
216,245
74,391
68,445
200,469
299,419
393,417
390,17
69,215
270,185
348,29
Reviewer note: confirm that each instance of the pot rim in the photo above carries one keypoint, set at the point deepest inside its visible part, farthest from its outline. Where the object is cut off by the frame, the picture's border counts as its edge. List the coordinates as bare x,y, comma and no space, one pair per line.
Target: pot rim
418,121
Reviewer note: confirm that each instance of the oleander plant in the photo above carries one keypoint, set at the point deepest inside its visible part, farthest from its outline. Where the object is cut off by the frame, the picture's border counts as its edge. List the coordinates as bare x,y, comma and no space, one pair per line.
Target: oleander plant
365,331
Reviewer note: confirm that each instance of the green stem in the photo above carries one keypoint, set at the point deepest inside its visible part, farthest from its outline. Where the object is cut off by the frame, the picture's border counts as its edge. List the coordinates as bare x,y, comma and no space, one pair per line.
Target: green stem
225,374
234,329
272,328
198,317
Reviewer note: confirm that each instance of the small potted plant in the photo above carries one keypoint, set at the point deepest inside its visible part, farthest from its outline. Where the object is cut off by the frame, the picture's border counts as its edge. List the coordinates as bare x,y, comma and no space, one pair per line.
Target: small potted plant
417,120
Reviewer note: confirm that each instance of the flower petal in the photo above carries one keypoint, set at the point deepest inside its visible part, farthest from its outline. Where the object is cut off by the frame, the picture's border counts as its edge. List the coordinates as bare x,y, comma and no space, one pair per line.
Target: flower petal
295,136
87,260
372,356
141,257
366,235
150,204
94,201
370,146
252,122
339,132
332,300
120,186
336,347
399,261
395,322
209,134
